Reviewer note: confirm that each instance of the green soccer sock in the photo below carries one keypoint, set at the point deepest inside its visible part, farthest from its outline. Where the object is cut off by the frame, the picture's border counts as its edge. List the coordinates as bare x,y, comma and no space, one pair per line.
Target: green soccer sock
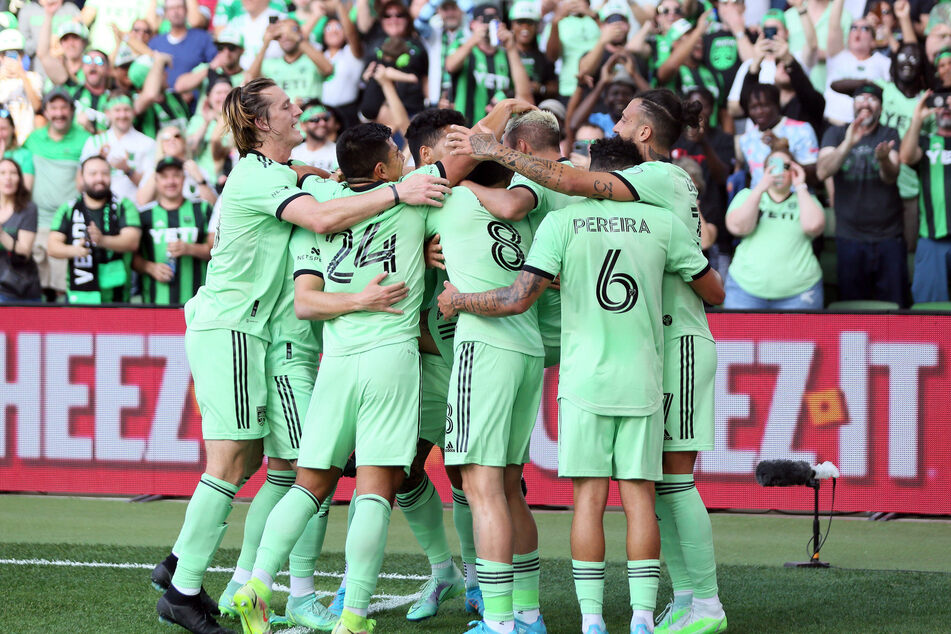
525,582
284,527
423,510
642,578
304,555
670,540
496,580
462,520
270,493
695,531
366,540
589,585
202,531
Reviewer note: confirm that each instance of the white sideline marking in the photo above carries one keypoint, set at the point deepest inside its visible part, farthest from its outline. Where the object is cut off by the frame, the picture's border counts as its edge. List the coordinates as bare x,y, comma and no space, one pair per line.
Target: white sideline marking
127,565
386,602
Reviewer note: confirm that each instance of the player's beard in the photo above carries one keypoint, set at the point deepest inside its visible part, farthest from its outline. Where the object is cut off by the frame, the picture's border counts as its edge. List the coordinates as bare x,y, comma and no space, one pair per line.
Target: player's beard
98,193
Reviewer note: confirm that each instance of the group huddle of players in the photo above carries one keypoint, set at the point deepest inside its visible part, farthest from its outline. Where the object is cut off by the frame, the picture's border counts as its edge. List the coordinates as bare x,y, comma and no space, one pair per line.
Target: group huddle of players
434,312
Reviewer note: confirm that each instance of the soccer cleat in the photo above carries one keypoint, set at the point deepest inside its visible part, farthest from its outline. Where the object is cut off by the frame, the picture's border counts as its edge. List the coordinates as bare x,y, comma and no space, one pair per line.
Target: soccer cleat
538,627
480,628
189,614
640,628
336,606
434,593
596,629
671,614
250,601
162,578
309,612
693,623
225,603
351,623
474,602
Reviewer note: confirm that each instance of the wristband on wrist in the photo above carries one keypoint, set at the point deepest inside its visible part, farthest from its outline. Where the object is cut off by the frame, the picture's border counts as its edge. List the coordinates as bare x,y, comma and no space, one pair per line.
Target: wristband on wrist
396,195
802,11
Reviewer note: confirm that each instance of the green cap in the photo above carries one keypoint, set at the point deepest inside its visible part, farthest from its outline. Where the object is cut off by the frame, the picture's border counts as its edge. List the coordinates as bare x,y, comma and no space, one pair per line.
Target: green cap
8,20
119,100
945,52
774,14
72,28
11,40
525,10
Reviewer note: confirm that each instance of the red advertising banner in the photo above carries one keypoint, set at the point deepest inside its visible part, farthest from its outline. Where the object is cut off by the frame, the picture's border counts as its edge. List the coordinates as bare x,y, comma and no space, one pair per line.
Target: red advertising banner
99,400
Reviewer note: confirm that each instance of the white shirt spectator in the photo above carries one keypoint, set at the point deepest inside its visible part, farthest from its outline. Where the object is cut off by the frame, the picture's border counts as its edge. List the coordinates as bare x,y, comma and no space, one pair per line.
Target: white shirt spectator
845,65
137,149
324,158
252,29
803,145
343,86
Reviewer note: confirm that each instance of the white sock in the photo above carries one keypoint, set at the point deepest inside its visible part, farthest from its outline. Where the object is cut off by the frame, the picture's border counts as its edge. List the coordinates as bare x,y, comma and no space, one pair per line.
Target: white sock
708,608
263,577
302,586
500,626
472,581
643,617
358,611
440,567
682,598
587,620
528,616
188,592
241,575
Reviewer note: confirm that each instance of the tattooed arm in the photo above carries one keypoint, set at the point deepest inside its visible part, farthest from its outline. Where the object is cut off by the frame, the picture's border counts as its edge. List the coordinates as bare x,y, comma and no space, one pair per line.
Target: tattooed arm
551,174
500,302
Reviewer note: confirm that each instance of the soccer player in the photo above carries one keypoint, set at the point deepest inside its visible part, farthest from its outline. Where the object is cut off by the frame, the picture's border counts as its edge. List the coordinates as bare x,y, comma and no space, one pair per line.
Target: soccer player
367,393
535,133
611,258
653,121
227,336
494,392
176,243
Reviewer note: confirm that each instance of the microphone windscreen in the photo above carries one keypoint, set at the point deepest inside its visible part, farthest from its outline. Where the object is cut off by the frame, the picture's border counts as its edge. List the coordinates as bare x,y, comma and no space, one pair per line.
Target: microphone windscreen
783,473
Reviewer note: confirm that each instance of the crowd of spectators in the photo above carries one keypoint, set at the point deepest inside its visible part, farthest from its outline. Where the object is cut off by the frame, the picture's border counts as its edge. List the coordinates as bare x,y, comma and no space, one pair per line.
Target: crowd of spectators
823,160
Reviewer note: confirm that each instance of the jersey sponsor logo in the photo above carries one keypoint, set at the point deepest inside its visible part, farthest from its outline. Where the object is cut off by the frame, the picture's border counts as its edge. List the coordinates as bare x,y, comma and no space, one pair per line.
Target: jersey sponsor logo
596,224
937,155
792,214
505,246
608,278
491,81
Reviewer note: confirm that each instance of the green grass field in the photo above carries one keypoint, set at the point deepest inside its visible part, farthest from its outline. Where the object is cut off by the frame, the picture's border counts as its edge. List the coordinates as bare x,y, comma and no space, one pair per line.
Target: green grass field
81,565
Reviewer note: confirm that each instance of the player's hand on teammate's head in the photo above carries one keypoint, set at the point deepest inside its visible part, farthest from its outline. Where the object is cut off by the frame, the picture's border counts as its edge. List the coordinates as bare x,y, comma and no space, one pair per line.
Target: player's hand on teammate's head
422,189
380,299
476,142
433,254
445,300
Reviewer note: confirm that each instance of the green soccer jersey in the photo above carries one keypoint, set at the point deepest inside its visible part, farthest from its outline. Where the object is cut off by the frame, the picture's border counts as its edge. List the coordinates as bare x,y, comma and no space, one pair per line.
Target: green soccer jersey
483,253
612,257
23,158
666,185
546,200
300,79
160,226
246,271
776,260
103,276
443,331
390,242
295,343
55,163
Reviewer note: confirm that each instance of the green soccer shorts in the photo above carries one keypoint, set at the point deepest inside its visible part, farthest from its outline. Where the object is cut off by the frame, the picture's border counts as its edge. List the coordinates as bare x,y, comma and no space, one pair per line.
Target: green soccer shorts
230,383
368,402
493,404
432,406
288,399
620,447
690,368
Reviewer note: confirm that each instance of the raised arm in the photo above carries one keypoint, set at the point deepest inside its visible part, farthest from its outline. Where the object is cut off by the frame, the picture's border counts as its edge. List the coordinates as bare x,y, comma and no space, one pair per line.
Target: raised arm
831,158
341,213
501,302
812,218
54,66
521,82
682,50
903,12
311,302
457,58
349,30
319,59
742,219
808,30
551,174
834,41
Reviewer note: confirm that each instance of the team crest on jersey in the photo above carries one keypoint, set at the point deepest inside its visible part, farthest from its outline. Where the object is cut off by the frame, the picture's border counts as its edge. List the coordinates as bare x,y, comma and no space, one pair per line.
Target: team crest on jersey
668,320
262,414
